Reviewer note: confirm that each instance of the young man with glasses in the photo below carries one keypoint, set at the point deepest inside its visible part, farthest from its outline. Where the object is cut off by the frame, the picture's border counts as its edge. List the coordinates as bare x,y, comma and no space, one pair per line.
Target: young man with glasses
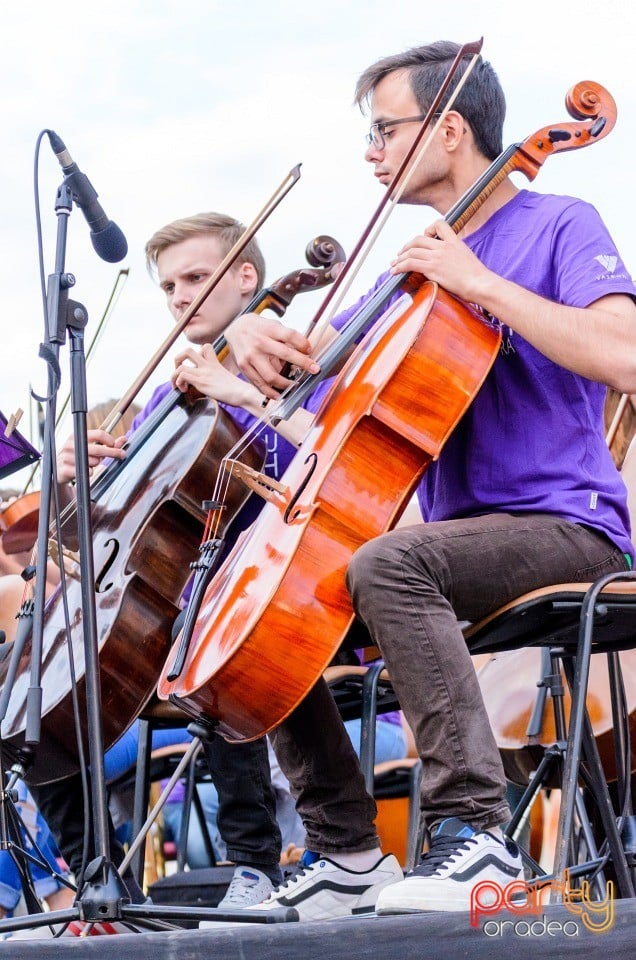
524,493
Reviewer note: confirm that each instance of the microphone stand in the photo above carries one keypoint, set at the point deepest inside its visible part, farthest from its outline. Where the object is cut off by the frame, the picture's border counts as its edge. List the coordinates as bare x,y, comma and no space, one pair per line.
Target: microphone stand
104,896
104,891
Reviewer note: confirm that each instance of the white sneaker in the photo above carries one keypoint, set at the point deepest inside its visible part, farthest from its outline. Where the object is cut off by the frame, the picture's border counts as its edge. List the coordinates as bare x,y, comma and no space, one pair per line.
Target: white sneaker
325,890
458,859
247,887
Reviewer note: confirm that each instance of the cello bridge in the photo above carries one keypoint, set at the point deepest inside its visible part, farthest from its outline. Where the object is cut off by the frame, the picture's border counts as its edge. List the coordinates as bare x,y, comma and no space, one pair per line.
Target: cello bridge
266,487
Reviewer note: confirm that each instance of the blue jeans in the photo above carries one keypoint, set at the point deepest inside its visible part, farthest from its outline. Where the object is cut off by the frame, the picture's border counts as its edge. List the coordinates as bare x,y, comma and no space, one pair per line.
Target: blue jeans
122,757
44,883
196,853
390,741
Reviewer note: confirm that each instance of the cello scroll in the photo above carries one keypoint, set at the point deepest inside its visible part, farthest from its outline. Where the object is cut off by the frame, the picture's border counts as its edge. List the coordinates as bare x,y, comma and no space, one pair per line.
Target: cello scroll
594,110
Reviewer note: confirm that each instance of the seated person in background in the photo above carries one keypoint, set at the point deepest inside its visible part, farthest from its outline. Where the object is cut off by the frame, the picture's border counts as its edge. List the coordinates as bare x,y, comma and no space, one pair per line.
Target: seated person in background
47,886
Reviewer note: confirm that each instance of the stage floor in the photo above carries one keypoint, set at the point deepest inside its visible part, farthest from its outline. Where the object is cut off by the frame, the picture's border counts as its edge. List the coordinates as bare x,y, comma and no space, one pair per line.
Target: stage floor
556,933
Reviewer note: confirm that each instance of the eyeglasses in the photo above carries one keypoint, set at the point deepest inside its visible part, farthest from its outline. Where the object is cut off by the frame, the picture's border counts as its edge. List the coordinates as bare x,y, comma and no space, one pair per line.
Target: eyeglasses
375,136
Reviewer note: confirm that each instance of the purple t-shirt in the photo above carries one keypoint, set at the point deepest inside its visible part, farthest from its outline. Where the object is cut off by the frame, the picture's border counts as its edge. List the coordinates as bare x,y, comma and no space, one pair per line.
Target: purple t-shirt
533,438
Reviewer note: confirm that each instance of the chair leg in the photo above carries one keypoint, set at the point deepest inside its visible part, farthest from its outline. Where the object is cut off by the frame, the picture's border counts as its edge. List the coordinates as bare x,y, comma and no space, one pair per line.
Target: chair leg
368,719
204,827
579,734
184,827
139,836
142,793
416,825
621,732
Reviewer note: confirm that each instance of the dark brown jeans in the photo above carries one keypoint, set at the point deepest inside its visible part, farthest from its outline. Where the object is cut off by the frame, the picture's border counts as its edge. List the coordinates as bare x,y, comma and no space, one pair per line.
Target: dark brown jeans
411,588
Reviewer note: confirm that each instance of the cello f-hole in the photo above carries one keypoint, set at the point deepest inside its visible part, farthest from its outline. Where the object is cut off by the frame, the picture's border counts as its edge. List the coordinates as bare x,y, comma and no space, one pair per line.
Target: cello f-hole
100,586
287,516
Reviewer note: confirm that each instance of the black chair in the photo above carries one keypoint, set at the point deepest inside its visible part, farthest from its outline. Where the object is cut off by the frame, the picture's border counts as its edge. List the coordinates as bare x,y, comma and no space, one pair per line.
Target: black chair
572,622
161,764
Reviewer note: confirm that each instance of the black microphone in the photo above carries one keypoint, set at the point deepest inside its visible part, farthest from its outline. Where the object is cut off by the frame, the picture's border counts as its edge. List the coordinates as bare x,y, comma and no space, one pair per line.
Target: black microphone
107,239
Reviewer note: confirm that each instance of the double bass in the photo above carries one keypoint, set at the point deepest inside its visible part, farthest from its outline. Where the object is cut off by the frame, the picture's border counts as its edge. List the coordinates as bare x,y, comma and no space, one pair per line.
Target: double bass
278,609
148,518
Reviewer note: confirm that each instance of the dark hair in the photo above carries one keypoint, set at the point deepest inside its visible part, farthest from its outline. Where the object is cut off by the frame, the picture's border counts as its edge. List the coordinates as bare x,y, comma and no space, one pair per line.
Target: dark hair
481,100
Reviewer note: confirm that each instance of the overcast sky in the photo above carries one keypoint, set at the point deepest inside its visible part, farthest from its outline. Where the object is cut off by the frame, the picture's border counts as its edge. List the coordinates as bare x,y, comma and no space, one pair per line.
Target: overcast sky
175,108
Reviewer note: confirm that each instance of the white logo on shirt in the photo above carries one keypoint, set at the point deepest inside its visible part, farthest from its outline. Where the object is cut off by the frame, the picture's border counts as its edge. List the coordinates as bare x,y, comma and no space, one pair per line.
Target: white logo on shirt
607,261
271,454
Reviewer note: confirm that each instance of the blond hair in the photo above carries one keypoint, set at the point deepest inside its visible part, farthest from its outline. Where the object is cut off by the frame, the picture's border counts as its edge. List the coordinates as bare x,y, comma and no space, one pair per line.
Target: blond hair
226,229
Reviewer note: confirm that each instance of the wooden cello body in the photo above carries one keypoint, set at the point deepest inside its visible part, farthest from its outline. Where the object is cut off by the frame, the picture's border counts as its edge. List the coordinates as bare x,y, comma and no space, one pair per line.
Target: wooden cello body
147,526
278,609
19,523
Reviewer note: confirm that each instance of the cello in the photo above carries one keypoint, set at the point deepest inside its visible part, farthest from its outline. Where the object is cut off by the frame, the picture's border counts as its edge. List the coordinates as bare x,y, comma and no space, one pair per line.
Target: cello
278,609
147,522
